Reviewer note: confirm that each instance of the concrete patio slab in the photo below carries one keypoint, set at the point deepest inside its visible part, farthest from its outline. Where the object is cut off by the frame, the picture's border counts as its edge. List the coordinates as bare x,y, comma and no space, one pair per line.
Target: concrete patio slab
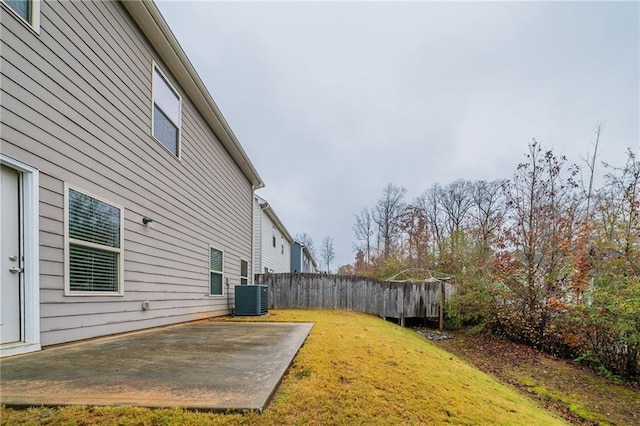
213,365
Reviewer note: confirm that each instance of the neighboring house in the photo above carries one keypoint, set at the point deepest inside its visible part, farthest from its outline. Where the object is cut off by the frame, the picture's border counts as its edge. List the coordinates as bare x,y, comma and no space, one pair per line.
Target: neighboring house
271,240
126,198
301,259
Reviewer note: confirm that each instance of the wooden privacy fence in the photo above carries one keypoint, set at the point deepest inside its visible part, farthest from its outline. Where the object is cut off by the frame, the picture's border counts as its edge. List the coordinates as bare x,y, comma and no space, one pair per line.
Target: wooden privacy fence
425,299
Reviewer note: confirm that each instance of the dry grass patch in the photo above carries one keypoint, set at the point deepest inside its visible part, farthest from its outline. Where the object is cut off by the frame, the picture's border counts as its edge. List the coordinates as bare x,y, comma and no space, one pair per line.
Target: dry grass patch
353,369
564,386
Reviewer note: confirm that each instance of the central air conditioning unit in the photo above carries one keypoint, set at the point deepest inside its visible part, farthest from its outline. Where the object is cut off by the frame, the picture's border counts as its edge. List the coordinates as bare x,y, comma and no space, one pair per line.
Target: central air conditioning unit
252,300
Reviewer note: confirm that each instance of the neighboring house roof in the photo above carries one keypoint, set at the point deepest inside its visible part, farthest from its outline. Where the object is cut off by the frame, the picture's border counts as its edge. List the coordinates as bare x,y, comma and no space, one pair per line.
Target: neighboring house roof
313,261
266,207
150,20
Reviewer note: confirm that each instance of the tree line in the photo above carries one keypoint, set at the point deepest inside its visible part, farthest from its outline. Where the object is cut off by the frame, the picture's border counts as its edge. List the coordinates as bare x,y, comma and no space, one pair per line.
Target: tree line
327,252
544,258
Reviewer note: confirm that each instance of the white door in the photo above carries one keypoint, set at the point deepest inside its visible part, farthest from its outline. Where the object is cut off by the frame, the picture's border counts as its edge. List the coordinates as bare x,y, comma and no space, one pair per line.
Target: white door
11,259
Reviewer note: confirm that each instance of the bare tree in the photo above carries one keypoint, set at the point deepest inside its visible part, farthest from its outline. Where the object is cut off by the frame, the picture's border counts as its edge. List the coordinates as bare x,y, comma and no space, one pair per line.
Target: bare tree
413,223
429,203
488,211
327,252
307,241
620,214
364,231
456,201
591,164
541,214
386,215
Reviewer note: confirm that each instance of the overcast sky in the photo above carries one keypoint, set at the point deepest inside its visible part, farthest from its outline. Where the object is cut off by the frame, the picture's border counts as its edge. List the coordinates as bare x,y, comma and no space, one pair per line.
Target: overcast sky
333,100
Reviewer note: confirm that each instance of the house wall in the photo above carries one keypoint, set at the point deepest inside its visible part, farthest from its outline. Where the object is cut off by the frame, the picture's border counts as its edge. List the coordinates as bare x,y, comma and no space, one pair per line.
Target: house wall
296,257
278,258
76,104
300,260
307,265
257,237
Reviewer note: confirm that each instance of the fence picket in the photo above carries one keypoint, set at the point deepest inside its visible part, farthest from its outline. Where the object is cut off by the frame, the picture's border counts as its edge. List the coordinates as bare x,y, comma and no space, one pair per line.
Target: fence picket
386,299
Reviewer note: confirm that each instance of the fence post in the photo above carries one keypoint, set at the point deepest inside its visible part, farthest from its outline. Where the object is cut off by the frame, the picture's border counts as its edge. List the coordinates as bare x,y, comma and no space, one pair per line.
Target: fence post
442,295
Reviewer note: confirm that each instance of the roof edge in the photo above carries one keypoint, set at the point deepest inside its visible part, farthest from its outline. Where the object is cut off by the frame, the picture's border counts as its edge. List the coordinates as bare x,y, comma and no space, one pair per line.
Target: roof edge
306,250
148,17
274,218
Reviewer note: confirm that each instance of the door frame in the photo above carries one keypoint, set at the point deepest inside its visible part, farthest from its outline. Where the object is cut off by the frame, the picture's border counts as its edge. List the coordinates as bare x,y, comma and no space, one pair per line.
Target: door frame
30,236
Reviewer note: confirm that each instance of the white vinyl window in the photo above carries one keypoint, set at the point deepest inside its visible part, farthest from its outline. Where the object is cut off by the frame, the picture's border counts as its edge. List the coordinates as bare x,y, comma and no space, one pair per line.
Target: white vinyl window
167,113
93,245
244,272
215,271
27,10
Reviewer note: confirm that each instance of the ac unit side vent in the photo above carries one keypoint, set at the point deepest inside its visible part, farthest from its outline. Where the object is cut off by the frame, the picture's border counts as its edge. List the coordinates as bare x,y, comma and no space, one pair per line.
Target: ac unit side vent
251,300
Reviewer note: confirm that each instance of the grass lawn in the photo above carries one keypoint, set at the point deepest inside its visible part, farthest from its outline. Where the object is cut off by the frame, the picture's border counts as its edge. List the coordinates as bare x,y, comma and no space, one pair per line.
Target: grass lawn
353,369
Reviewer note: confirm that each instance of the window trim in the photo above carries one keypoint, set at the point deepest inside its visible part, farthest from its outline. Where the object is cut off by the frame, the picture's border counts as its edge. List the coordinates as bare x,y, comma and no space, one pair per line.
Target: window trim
33,23
68,241
31,251
217,272
155,67
244,277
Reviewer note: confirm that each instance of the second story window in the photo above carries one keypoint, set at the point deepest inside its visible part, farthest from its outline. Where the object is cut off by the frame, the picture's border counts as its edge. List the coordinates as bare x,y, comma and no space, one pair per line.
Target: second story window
273,236
21,7
28,10
167,113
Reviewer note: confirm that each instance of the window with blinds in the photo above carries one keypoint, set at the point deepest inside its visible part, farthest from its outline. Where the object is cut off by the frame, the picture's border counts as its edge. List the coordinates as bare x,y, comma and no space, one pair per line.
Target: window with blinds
215,271
94,231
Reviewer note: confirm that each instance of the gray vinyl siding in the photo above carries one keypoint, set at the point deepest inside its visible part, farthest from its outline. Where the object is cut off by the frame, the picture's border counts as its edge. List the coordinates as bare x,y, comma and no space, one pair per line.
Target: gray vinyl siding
272,257
266,256
300,262
76,104
257,237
